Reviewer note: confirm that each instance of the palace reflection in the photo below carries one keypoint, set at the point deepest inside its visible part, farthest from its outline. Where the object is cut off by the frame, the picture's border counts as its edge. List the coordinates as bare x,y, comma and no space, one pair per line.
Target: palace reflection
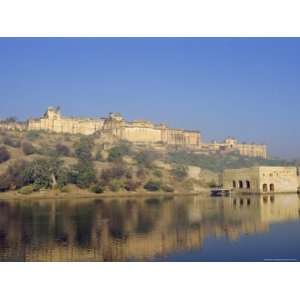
131,229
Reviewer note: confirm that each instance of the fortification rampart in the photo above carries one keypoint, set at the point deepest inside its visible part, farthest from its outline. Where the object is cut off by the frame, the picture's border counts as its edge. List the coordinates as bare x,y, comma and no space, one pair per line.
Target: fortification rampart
114,127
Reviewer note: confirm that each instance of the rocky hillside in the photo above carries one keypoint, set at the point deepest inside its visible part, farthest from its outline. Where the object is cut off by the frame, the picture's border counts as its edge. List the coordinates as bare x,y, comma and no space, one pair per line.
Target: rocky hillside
35,161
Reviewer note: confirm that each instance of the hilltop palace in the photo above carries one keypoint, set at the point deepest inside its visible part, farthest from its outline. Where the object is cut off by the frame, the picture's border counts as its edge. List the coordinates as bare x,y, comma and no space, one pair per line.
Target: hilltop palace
136,131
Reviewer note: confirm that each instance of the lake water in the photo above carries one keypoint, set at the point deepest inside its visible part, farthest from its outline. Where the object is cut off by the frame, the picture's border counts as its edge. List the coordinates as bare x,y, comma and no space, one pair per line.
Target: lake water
256,228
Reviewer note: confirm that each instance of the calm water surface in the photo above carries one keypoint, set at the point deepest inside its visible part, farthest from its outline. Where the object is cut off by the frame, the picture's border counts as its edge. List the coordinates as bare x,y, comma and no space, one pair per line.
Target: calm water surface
260,228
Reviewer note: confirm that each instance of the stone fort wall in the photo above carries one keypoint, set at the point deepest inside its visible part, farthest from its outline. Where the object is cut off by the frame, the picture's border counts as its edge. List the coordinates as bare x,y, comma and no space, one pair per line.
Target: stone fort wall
140,131
115,125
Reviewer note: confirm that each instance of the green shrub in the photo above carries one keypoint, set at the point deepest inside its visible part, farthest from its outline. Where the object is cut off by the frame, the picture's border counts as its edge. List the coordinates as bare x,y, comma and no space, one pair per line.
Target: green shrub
4,183
62,177
97,189
179,172
44,173
33,135
116,185
157,173
152,185
118,171
83,149
141,173
4,155
11,142
114,155
219,162
26,190
131,185
83,175
146,158
99,156
28,148
62,150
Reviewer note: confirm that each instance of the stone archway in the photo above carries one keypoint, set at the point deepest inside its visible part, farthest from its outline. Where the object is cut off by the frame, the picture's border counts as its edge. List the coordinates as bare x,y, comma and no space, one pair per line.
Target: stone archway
248,184
265,188
241,184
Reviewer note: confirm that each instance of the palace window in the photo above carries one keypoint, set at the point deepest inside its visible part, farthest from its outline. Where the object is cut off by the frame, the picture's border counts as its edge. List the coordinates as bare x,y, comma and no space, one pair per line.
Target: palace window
265,187
248,184
234,184
272,187
241,184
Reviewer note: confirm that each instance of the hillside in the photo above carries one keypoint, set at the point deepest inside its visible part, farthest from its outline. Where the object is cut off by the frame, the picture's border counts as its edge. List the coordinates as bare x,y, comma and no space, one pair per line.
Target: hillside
39,161
219,162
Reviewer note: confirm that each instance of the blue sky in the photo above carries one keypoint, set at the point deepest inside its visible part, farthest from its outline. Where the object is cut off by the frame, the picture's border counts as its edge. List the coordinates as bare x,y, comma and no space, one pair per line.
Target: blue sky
247,88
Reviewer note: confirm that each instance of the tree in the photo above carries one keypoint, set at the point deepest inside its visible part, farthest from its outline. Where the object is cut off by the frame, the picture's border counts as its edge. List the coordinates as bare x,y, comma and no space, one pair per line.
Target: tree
118,171
83,149
4,154
83,175
13,177
45,173
116,153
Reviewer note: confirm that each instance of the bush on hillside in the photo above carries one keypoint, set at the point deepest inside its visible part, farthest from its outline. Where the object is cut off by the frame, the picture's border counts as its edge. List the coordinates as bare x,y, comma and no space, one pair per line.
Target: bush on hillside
33,135
116,153
117,171
219,162
83,175
83,149
4,155
97,189
157,173
62,150
116,185
146,158
11,142
141,173
99,156
153,185
28,148
26,190
45,173
131,185
179,172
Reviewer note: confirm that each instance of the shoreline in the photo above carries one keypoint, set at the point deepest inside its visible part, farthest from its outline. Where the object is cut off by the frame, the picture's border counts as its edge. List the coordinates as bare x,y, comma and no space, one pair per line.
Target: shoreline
86,195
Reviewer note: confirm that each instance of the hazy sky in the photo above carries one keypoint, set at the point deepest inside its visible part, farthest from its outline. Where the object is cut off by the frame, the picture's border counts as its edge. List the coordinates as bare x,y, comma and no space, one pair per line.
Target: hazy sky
247,88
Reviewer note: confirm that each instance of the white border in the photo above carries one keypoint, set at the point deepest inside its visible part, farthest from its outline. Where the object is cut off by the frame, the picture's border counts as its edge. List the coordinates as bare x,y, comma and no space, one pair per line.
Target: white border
149,18
149,281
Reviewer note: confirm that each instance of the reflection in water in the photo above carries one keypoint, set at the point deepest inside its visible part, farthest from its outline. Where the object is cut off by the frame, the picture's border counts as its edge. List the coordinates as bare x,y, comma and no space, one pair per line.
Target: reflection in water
131,229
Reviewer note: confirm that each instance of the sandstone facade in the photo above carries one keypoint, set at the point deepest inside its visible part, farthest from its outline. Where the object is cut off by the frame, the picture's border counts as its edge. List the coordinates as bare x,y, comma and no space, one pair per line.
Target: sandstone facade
262,180
232,145
116,126
54,122
13,126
